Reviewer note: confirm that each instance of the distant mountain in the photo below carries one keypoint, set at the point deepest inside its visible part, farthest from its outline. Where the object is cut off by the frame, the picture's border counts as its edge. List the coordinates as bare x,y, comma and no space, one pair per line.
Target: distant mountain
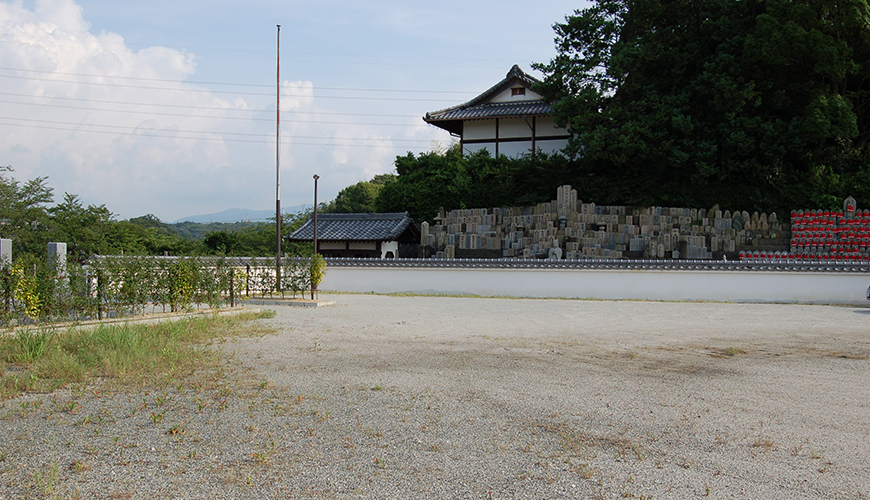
239,215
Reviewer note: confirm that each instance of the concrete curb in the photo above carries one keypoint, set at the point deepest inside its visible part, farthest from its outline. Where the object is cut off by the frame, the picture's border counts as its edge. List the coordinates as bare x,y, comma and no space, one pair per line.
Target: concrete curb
129,320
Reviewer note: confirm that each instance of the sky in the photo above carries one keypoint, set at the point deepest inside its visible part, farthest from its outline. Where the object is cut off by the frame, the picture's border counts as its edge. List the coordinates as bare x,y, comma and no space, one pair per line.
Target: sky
169,107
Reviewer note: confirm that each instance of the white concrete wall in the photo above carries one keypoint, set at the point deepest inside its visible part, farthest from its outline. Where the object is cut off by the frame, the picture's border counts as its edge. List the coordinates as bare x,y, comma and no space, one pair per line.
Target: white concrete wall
507,96
546,126
478,129
514,127
717,286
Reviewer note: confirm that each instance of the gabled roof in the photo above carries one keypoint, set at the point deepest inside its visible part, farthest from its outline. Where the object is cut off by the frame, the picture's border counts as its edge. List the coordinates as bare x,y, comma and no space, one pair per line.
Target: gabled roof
367,227
480,107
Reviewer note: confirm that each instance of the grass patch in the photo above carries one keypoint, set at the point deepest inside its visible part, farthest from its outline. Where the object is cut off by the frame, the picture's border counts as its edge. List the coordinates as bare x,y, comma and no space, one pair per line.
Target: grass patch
128,354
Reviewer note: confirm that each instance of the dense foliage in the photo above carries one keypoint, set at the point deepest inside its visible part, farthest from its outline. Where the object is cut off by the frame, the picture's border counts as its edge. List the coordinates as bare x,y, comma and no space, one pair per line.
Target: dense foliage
29,220
358,198
34,290
749,104
452,180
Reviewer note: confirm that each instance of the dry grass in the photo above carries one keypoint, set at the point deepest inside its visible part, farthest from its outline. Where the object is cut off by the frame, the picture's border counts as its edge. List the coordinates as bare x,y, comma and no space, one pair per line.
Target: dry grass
727,352
119,354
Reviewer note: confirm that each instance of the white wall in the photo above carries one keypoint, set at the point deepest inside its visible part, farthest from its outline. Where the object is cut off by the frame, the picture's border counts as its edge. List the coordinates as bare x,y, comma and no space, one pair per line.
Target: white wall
724,286
478,129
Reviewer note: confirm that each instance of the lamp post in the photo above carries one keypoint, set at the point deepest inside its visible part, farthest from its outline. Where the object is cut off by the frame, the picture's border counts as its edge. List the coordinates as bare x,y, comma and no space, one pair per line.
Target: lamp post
315,212
313,286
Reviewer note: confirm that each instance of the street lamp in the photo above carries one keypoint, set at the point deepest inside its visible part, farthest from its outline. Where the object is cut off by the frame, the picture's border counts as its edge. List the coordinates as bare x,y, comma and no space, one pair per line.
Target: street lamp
315,212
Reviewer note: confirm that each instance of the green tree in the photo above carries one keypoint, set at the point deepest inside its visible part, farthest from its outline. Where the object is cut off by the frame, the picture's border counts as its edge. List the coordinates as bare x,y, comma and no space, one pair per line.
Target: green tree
748,104
451,180
358,198
23,215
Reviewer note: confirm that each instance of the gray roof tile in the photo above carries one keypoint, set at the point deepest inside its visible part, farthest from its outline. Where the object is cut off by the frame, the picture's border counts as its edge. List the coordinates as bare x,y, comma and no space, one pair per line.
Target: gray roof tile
368,227
479,107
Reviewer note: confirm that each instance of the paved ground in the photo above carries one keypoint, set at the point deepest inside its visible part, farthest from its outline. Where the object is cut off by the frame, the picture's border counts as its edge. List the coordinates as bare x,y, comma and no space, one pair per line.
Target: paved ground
430,397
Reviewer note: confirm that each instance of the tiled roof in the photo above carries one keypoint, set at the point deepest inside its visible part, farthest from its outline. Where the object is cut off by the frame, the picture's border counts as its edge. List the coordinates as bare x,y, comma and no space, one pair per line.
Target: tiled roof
491,110
479,107
377,227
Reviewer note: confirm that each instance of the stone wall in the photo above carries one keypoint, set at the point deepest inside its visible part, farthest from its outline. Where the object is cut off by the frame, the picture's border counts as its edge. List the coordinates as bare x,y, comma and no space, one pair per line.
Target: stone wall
568,228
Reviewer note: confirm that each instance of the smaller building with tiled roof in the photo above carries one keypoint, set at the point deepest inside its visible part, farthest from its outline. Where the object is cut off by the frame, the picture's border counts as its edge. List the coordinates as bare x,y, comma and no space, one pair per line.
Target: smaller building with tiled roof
508,119
384,235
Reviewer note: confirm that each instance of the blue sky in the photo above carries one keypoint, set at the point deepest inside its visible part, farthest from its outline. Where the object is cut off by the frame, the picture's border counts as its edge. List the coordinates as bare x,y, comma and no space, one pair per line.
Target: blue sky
168,107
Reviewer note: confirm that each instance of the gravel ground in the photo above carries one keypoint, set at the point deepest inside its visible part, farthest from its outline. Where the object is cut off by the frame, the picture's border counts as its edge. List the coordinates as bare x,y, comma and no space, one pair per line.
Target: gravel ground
424,397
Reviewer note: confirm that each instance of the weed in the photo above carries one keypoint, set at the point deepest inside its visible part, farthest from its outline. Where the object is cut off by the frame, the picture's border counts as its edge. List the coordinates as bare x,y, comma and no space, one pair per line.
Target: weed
378,388
30,345
727,352
78,466
129,354
156,418
764,443
177,429
46,482
264,455
379,461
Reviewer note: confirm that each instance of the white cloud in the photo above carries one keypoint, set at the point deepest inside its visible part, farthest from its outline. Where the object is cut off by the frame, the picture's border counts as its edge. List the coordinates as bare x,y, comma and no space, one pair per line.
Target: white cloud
85,108
126,128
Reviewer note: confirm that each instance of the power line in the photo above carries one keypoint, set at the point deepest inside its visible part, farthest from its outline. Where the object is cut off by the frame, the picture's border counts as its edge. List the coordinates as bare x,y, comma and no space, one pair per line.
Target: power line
187,115
231,83
142,87
242,134
349,145
188,106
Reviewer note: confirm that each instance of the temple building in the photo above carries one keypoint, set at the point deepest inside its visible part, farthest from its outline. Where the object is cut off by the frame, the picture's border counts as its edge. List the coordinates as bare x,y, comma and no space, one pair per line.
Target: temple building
508,119
384,235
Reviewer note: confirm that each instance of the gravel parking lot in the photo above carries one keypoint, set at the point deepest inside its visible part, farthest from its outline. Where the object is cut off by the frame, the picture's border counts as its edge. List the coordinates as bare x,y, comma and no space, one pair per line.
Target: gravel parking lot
442,397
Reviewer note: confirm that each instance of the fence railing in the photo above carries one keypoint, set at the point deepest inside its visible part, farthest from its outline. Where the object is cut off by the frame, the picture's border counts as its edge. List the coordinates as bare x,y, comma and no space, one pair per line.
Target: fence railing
659,265
116,286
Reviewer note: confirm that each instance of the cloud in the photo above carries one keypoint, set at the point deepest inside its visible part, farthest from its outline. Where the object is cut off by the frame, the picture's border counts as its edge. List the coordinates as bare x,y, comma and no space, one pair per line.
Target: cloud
131,129
115,125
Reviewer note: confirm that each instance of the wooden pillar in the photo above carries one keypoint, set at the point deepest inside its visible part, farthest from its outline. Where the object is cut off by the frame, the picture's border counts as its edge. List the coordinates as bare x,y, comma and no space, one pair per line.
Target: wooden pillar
496,137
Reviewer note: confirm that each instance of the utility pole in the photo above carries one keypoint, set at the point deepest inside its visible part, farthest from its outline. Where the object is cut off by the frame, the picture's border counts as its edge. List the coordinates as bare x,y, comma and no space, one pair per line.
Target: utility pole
278,170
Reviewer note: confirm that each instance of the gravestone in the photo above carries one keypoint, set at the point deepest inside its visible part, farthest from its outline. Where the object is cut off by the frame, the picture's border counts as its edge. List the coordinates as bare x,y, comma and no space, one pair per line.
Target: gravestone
5,252
57,257
849,207
555,253
424,233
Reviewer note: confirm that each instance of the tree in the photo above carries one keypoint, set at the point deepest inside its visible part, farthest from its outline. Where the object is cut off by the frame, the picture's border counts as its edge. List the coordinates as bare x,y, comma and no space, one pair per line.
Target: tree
451,180
748,104
358,198
23,215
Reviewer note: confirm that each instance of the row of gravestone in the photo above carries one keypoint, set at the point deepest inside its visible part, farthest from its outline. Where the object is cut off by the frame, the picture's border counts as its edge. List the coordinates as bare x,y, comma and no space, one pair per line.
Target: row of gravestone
56,253
831,235
588,230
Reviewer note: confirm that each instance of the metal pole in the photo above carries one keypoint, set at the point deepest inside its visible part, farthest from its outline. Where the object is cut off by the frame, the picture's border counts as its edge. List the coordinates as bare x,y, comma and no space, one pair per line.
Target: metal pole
315,230
315,212
278,170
